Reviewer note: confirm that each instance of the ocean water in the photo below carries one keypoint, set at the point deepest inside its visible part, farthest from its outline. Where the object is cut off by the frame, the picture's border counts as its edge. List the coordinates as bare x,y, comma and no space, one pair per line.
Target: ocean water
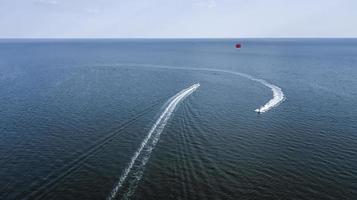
176,119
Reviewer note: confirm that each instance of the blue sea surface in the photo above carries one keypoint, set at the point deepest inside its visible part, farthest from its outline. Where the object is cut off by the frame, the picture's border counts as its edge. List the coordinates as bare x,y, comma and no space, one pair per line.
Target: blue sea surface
73,113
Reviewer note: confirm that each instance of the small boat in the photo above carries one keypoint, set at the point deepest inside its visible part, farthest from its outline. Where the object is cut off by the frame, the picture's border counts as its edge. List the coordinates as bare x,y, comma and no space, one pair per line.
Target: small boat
238,46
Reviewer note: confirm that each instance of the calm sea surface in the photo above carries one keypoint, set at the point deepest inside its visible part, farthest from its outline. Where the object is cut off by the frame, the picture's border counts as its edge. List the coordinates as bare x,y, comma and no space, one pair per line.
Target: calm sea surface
73,113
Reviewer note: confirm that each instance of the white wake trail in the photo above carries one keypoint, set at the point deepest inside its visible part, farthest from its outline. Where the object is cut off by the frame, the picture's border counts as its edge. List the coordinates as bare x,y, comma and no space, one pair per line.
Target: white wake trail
278,95
142,155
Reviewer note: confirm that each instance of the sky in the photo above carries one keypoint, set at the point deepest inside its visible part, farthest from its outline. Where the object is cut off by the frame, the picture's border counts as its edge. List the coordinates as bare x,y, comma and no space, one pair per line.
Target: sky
177,18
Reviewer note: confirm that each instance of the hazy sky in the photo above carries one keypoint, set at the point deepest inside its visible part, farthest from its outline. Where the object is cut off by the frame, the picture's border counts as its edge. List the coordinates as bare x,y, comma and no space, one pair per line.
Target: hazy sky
178,18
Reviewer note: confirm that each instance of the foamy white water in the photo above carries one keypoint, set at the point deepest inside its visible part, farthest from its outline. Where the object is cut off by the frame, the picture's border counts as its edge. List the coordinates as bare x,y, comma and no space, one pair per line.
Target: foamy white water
278,95
142,155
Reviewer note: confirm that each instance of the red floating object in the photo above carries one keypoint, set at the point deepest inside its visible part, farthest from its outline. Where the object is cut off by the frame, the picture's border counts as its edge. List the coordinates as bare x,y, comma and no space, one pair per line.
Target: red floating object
238,46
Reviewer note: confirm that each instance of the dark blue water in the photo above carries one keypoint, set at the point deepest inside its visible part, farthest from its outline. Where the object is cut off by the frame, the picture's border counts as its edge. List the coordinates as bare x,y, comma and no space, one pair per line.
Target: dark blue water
74,112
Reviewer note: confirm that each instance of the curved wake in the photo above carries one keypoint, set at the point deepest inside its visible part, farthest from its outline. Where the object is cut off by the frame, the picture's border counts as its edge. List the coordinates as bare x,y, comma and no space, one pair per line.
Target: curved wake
142,155
278,95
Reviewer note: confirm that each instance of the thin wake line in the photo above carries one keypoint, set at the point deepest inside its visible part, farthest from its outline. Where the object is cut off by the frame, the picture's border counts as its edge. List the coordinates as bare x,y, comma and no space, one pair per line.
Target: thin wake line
143,153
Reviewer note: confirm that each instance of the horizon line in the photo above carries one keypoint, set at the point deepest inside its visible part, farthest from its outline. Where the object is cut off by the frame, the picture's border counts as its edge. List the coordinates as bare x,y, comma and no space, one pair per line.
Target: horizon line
25,38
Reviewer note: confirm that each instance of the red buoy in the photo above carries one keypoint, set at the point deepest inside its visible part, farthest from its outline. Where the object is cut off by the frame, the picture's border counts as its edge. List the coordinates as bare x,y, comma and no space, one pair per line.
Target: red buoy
238,46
